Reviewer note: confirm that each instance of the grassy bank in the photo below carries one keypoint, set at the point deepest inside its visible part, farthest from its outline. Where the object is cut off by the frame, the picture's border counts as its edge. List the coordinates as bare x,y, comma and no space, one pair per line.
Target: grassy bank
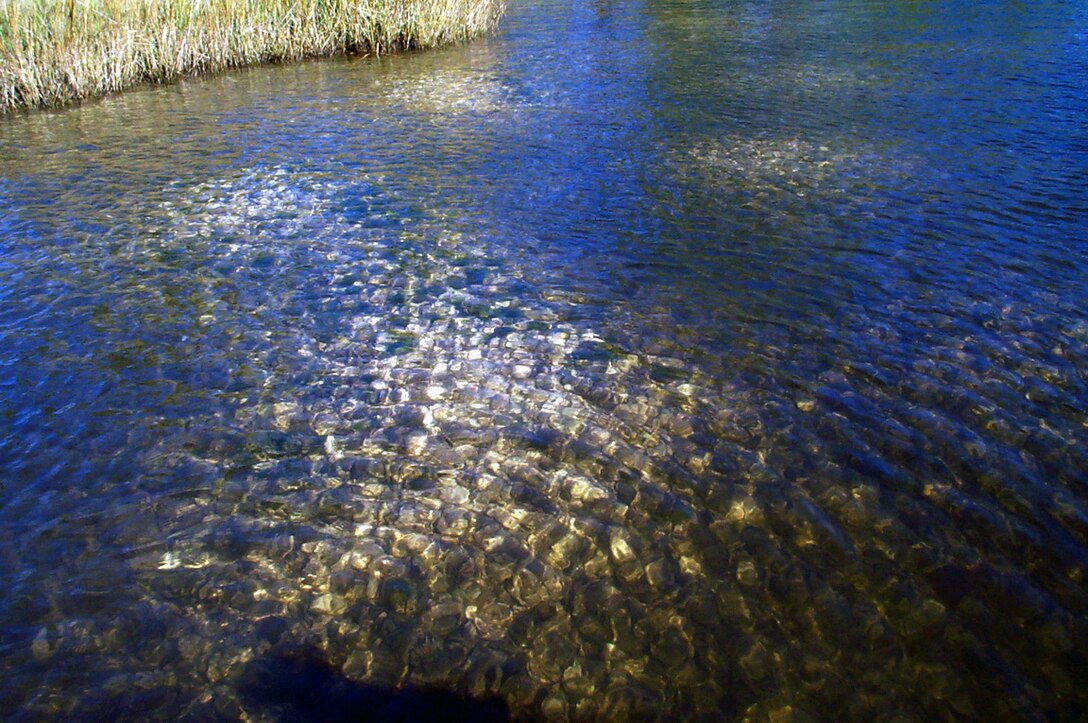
56,51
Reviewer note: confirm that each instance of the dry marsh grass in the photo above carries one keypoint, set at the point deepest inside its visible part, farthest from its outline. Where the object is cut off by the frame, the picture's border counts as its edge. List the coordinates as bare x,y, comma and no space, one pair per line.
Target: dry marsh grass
56,51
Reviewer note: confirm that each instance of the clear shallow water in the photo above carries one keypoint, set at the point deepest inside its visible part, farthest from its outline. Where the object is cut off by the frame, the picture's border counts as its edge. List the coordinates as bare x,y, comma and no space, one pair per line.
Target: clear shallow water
644,361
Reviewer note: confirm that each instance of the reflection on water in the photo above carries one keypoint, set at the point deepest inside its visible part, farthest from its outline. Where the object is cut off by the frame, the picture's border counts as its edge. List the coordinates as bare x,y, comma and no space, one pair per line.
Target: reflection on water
672,361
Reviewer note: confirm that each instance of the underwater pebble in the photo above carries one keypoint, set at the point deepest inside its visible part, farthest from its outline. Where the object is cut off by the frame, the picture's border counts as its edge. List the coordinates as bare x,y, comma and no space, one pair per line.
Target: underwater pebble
329,604
620,547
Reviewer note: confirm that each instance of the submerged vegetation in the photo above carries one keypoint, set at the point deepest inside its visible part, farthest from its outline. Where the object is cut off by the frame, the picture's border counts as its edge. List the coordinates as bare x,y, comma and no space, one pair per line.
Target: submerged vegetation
56,51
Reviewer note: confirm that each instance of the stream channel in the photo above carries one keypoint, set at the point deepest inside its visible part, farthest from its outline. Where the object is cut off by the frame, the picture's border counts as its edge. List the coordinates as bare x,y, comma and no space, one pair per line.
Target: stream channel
647,360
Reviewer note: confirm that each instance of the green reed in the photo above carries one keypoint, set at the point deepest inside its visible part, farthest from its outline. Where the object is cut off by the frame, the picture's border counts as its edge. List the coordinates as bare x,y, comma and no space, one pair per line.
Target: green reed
56,51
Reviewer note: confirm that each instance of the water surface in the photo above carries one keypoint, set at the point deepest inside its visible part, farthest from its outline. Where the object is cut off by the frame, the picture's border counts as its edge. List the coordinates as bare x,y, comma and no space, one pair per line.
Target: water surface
648,360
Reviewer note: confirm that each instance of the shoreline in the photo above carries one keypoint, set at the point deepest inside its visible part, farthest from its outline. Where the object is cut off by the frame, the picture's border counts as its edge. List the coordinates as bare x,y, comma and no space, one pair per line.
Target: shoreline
56,52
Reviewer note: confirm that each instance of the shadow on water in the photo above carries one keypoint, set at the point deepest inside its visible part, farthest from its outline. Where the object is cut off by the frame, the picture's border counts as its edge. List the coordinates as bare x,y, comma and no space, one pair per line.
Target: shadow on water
302,686
293,686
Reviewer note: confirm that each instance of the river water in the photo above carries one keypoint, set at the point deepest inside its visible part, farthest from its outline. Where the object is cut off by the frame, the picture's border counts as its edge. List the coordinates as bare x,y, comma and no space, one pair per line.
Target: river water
659,359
